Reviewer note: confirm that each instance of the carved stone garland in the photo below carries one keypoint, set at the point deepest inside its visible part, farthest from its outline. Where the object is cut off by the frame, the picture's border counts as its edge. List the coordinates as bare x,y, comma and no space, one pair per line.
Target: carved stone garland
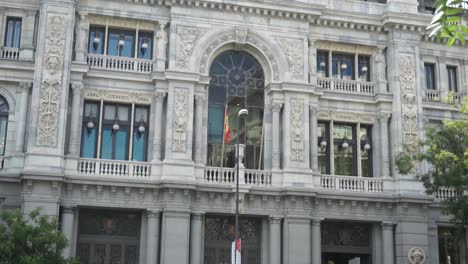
49,101
179,122
409,109
297,129
187,37
294,50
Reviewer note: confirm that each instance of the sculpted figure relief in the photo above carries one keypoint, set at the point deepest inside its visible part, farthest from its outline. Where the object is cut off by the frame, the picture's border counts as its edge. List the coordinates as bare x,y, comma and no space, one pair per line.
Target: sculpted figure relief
408,99
416,256
162,39
293,48
297,129
179,123
186,40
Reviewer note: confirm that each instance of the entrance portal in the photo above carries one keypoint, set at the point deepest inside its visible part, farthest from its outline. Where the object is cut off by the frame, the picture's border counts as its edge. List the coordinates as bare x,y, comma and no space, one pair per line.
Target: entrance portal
108,237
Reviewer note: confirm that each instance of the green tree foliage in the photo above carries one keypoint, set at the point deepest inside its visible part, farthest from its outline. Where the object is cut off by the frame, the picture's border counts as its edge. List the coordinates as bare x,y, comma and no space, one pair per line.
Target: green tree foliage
445,149
31,240
446,22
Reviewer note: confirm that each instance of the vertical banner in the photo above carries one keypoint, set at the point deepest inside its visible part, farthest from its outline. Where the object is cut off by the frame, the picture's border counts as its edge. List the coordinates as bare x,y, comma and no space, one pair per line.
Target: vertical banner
236,249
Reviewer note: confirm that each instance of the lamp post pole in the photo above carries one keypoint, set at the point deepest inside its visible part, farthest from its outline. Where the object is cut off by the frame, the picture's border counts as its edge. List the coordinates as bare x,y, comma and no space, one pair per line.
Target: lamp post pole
242,112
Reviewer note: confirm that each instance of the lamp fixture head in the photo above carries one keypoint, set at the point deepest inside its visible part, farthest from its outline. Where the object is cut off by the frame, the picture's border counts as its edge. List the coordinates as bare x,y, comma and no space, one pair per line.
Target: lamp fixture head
121,41
344,66
323,64
323,143
90,124
96,41
144,45
243,112
345,144
141,128
367,146
364,69
115,126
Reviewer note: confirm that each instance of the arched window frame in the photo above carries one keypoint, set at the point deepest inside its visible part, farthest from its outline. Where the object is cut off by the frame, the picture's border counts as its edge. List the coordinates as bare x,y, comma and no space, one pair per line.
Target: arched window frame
4,116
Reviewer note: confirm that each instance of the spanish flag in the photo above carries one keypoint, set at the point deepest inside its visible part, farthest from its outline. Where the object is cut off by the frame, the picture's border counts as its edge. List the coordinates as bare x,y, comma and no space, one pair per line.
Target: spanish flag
227,130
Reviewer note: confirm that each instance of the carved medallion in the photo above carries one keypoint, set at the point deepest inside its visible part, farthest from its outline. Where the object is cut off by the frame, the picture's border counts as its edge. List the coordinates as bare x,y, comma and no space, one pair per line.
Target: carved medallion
297,129
294,50
416,256
179,122
50,94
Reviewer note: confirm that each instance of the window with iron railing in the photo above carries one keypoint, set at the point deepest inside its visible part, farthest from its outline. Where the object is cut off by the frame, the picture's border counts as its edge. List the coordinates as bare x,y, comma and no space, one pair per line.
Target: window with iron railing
343,65
452,78
13,32
430,76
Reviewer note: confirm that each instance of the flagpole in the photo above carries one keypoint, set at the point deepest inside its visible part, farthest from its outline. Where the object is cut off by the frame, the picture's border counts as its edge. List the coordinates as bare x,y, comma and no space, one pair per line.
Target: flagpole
224,137
261,143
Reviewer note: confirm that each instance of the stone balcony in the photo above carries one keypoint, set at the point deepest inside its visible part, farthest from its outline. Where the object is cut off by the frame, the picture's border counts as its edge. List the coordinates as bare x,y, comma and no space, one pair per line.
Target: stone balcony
346,86
437,96
123,64
10,53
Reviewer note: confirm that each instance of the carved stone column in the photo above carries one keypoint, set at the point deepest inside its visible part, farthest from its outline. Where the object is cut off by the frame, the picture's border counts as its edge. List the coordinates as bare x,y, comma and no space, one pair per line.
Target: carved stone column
23,112
2,26
160,50
199,103
82,35
67,229
275,240
312,62
175,231
74,148
295,229
379,73
159,100
152,238
313,137
196,239
27,40
385,164
316,242
387,235
275,109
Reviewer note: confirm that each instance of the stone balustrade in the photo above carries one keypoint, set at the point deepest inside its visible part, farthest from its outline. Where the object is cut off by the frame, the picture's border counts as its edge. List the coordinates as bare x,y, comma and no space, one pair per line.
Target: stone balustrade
445,193
432,95
125,64
115,168
346,86
351,183
10,53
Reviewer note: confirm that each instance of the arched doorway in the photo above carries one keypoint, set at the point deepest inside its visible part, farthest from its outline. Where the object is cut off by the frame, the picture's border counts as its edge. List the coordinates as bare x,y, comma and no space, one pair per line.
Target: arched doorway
237,81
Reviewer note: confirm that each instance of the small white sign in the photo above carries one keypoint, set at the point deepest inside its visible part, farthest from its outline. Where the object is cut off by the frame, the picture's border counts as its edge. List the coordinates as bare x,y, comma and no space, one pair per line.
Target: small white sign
236,249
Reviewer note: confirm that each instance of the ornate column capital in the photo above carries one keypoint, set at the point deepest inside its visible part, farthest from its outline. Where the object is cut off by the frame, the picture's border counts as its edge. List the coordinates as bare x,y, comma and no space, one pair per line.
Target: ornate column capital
25,85
67,210
77,87
311,41
2,11
152,214
160,94
199,98
276,106
197,216
313,108
387,225
383,116
274,219
316,221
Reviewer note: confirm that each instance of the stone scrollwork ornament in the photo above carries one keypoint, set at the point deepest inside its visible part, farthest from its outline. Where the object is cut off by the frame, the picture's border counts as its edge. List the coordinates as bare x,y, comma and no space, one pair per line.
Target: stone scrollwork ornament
408,100
297,129
50,93
416,256
179,122
187,37
241,35
294,50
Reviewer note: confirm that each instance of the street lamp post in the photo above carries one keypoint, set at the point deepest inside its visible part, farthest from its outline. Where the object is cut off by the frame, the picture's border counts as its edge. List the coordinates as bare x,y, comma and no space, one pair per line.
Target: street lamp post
242,112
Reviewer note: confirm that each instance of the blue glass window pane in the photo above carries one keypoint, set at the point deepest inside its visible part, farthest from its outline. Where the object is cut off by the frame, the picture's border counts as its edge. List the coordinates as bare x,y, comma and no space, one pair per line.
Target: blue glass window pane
363,68
145,53
96,47
139,142
113,45
88,143
13,32
338,68
216,125
3,131
17,34
106,144
121,144
10,31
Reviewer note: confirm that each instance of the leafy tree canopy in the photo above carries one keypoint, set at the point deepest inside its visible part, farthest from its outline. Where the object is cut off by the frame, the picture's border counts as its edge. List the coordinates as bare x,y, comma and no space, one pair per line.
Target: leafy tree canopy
34,239
447,19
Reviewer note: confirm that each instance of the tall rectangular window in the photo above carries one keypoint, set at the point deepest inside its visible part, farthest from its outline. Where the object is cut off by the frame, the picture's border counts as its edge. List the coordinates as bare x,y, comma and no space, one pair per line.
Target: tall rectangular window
121,43
344,145
96,40
449,248
363,70
452,78
343,66
145,45
322,64
323,147
13,32
366,151
430,76
115,131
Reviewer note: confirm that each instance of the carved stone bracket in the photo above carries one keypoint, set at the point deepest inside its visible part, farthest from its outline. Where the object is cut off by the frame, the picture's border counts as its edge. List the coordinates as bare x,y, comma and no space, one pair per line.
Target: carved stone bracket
159,95
241,36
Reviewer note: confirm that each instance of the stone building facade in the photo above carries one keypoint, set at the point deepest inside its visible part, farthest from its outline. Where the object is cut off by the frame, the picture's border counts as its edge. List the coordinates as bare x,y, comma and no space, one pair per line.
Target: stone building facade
112,115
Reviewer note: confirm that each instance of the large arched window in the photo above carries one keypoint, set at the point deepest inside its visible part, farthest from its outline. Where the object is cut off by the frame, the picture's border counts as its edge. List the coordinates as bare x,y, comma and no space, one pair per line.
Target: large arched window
4,109
237,81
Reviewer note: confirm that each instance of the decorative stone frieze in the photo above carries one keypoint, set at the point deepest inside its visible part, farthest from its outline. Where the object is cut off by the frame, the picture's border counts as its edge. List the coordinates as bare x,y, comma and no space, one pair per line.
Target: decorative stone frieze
187,38
297,129
121,22
347,117
50,94
119,97
409,111
348,48
294,50
179,122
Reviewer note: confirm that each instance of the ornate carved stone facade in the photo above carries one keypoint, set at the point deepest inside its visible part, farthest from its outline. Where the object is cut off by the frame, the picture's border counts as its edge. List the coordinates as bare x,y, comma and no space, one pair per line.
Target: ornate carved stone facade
187,38
50,94
294,50
180,120
408,98
297,129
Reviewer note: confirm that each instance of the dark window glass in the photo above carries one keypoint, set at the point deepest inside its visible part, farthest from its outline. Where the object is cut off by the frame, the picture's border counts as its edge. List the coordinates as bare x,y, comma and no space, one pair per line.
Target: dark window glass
364,68
237,81
121,43
145,45
449,248
452,78
323,147
322,63
344,149
140,133
96,40
430,76
89,131
13,32
343,66
4,109
115,132
366,150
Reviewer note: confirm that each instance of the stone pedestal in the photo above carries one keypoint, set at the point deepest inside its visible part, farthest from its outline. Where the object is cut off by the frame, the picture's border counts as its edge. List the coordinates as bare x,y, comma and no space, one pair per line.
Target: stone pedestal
296,240
175,237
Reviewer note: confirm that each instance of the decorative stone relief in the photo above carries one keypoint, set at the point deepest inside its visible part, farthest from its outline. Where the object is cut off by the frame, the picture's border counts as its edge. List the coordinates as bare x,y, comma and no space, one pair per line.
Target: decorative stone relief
162,39
409,109
82,33
347,117
416,256
179,122
294,50
111,96
297,129
241,35
187,37
50,93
